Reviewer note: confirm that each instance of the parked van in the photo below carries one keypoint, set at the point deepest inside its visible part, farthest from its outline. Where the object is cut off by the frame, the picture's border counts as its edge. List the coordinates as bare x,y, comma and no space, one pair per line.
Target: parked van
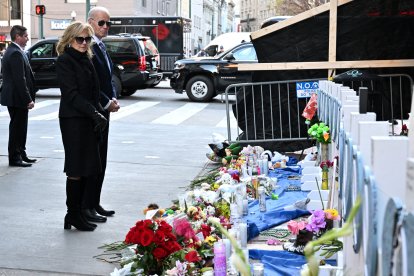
227,40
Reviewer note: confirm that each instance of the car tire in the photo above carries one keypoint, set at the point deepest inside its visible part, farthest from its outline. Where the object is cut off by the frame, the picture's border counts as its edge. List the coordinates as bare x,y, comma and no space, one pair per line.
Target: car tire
200,89
117,85
128,92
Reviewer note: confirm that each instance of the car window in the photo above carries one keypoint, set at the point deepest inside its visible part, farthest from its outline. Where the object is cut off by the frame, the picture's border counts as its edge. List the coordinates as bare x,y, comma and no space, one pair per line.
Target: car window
245,53
150,48
120,46
45,50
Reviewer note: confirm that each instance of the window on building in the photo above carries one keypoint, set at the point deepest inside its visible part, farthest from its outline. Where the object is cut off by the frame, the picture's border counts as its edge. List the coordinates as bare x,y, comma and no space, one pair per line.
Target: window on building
15,11
3,10
144,3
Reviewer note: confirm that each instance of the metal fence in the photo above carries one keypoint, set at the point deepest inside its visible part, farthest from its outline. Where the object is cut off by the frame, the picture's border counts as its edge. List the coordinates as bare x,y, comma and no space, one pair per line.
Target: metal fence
271,111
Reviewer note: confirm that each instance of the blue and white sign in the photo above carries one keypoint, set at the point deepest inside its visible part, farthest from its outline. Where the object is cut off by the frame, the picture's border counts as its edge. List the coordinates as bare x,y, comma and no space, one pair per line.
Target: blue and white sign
306,89
59,24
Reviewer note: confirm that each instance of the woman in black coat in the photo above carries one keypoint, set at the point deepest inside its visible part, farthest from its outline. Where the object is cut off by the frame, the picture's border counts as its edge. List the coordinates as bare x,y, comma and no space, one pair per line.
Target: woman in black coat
80,119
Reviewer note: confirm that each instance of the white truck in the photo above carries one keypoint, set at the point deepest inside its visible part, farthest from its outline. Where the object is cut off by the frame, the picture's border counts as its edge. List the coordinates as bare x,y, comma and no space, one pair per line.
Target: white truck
227,40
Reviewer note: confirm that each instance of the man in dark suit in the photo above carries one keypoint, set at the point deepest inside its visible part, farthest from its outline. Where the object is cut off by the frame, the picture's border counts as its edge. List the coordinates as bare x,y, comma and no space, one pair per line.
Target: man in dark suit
98,18
18,94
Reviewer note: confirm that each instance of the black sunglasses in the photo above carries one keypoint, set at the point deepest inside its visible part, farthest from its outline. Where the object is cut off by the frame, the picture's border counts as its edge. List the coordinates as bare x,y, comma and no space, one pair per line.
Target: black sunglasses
103,22
81,39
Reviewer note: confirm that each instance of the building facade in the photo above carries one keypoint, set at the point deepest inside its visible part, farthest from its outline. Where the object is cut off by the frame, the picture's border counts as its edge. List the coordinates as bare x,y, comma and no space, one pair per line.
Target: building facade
209,18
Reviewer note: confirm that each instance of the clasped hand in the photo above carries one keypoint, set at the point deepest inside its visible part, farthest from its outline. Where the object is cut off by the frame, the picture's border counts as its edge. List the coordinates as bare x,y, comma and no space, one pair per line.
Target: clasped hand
114,106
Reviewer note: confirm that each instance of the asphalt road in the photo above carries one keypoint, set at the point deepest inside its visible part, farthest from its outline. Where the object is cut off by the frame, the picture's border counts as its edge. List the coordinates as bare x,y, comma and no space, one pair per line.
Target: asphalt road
157,146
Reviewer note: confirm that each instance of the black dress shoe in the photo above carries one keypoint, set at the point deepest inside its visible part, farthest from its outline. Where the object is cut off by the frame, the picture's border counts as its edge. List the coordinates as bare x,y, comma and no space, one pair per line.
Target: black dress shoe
28,160
91,215
107,213
18,163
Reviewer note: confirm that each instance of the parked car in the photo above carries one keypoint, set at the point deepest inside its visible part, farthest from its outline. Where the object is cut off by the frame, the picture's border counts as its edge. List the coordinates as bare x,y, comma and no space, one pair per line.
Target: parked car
204,78
134,58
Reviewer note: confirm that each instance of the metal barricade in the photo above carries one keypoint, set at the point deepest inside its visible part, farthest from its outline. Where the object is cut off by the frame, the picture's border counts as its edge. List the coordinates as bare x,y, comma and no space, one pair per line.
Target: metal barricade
271,111
266,111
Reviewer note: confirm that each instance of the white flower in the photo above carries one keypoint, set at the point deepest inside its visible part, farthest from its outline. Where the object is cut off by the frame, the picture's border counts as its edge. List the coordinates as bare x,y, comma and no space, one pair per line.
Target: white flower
125,271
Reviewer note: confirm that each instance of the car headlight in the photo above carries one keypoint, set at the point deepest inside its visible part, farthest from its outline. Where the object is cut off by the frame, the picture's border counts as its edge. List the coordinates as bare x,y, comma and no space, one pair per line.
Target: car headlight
120,67
179,66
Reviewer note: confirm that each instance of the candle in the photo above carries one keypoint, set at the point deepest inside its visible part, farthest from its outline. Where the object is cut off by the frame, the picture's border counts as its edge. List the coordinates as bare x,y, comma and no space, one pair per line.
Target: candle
228,248
243,234
245,207
258,269
220,268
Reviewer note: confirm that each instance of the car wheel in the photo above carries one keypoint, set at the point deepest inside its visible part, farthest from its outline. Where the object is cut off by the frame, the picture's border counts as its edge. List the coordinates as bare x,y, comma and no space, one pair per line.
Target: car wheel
200,89
128,92
117,85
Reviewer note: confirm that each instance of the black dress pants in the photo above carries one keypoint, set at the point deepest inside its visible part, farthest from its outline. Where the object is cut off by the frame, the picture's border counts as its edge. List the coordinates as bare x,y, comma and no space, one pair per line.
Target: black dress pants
17,132
93,188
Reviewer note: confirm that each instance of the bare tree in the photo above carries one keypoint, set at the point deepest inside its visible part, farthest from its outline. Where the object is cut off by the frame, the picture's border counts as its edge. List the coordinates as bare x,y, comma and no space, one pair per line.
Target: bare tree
293,7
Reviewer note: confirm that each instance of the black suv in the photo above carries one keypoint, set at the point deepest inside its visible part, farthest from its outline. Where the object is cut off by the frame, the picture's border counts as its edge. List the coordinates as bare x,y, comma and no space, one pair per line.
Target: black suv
204,78
135,60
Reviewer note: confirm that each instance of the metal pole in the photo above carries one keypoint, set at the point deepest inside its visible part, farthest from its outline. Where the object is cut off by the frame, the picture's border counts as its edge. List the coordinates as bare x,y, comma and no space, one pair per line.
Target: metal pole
41,26
39,23
88,7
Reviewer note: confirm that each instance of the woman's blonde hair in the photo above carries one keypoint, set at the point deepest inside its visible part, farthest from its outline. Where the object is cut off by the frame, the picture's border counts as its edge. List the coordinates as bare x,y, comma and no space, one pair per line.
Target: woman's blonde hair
72,31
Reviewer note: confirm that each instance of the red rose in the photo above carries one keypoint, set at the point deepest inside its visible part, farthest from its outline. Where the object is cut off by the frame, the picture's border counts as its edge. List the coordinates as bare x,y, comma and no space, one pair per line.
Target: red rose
146,237
206,230
192,257
133,236
172,246
159,253
159,237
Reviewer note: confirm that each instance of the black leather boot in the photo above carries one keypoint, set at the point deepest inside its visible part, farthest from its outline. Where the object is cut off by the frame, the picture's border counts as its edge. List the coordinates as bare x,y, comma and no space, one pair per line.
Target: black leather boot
73,198
91,215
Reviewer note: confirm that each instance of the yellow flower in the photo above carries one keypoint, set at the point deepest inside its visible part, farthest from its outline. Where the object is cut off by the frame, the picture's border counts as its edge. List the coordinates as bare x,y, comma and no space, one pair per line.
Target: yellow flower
332,214
216,186
210,240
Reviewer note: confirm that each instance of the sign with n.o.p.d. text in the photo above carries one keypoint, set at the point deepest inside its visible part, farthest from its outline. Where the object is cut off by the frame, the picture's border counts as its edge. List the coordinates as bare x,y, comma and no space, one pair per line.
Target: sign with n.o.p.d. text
306,89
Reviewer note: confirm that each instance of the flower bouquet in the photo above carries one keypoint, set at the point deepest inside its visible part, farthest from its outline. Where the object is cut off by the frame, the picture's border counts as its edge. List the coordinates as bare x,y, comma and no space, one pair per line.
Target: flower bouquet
154,242
325,165
320,132
306,230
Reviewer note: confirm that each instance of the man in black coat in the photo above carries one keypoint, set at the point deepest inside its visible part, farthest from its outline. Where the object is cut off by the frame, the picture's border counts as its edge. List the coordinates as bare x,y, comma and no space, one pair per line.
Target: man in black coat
98,18
18,94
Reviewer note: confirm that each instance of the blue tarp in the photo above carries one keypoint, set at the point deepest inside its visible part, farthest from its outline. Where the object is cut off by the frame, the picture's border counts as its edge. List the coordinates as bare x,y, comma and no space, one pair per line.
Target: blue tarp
280,263
275,213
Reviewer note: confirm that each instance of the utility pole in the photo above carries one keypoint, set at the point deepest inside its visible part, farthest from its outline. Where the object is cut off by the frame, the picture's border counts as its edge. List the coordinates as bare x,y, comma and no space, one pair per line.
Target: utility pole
88,7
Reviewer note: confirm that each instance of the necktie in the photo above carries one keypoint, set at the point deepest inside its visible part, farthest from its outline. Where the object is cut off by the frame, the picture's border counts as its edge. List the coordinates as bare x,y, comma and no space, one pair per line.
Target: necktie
102,46
103,49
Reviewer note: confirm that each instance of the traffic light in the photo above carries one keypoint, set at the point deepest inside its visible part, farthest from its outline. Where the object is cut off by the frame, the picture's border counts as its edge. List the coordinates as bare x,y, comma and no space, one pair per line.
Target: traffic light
40,9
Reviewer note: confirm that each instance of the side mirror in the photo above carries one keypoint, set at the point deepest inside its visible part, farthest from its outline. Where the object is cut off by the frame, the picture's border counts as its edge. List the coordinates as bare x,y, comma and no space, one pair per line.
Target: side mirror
229,57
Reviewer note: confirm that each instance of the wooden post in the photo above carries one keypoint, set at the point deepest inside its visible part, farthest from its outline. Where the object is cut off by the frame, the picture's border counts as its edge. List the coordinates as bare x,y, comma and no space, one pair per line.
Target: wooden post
333,13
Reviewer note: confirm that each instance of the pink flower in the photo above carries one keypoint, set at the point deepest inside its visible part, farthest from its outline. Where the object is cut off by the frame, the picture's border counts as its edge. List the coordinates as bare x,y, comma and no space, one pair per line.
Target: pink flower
183,228
295,226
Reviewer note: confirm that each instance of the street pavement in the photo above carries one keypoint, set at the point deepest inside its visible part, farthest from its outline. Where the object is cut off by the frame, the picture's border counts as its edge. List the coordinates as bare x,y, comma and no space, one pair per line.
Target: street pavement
147,163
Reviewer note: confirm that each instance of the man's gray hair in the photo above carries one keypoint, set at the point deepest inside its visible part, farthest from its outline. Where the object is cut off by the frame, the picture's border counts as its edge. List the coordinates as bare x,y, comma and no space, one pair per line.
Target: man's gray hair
95,10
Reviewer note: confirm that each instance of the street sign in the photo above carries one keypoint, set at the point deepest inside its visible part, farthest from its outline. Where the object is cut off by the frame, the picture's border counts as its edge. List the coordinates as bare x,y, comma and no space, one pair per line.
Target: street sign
306,89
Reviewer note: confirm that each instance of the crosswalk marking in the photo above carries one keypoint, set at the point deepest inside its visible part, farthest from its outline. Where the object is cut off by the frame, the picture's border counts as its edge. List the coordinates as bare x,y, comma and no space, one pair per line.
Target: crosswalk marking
130,109
180,114
174,117
36,107
223,122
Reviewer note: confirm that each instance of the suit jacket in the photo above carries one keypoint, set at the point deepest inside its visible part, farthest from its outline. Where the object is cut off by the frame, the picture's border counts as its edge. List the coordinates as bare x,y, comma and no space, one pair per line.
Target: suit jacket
18,81
104,72
78,84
